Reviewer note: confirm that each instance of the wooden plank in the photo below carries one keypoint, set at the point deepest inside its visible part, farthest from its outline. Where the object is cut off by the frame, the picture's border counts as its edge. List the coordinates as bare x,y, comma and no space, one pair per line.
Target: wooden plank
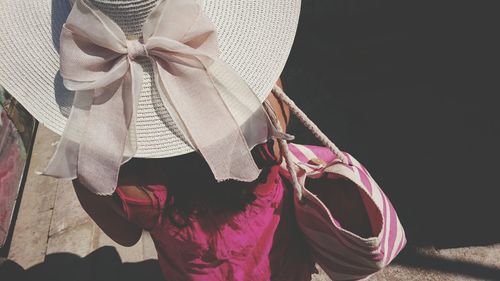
148,246
29,242
67,210
76,240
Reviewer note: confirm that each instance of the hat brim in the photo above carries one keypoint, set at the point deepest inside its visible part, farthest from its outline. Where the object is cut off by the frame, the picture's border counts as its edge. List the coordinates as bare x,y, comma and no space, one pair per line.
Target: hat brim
255,38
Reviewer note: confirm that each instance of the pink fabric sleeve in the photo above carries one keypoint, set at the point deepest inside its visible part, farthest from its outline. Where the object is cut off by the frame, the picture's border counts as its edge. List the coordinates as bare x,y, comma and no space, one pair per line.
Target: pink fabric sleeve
145,213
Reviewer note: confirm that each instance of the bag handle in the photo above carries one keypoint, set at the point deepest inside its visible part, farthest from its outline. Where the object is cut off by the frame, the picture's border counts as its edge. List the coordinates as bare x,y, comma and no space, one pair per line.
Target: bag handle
309,124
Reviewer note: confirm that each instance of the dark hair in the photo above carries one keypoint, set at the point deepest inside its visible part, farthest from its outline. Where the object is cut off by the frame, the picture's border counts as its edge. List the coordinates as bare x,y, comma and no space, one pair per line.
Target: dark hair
193,191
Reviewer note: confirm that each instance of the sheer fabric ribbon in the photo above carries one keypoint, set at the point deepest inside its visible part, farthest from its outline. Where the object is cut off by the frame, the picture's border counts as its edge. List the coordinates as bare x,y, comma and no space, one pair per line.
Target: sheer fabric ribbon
218,113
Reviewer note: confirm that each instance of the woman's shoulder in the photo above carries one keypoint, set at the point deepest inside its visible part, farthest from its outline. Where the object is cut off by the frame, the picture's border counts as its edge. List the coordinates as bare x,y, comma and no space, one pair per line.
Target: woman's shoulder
142,204
141,192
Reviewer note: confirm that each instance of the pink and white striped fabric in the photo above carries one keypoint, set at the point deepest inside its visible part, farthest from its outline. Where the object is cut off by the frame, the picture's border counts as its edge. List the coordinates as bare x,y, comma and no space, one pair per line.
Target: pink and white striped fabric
344,255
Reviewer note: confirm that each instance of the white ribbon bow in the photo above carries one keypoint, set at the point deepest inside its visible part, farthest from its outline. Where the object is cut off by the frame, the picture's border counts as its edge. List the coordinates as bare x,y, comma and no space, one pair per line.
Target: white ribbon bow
217,111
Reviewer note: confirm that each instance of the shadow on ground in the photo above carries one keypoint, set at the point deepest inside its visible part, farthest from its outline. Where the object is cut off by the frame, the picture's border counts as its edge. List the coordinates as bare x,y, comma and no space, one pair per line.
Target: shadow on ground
414,258
409,89
104,264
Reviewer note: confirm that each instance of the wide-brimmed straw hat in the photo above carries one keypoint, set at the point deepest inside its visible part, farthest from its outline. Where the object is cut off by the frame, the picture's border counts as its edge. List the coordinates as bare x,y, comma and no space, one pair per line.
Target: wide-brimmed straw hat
146,78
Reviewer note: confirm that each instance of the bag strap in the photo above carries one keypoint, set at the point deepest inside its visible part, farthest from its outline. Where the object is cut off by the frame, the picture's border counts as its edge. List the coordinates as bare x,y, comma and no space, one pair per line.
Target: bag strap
309,124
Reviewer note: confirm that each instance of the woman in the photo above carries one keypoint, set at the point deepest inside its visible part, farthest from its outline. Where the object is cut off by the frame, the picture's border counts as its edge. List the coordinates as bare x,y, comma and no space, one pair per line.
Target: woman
163,78
285,255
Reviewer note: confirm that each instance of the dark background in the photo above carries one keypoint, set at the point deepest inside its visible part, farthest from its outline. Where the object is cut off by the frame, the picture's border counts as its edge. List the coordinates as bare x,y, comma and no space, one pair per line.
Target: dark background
410,90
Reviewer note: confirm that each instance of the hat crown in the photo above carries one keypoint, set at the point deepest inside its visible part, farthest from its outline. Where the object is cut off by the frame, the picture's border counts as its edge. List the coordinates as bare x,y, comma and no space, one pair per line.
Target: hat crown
130,15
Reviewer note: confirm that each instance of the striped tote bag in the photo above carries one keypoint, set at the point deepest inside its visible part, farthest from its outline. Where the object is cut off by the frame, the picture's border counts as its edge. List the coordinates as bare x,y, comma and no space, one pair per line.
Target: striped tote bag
342,254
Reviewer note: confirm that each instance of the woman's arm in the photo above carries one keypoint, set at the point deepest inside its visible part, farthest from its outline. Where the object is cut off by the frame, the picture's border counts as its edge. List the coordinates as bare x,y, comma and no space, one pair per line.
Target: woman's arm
282,112
108,215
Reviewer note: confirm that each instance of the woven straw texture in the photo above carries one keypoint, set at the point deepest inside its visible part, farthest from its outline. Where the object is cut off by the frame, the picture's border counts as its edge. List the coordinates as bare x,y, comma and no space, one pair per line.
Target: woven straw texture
255,38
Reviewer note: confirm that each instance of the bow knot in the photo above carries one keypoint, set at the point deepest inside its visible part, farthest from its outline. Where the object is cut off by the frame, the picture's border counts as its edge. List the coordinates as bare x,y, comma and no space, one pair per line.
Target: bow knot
136,49
218,113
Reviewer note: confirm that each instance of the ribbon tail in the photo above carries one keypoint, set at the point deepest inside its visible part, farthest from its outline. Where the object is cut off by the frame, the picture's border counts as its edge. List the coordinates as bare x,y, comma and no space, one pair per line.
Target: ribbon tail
254,125
131,104
247,110
64,162
218,113
108,122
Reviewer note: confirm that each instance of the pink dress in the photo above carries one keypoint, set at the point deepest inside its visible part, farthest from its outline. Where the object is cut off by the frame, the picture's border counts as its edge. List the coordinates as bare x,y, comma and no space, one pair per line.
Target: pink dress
264,242
261,243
